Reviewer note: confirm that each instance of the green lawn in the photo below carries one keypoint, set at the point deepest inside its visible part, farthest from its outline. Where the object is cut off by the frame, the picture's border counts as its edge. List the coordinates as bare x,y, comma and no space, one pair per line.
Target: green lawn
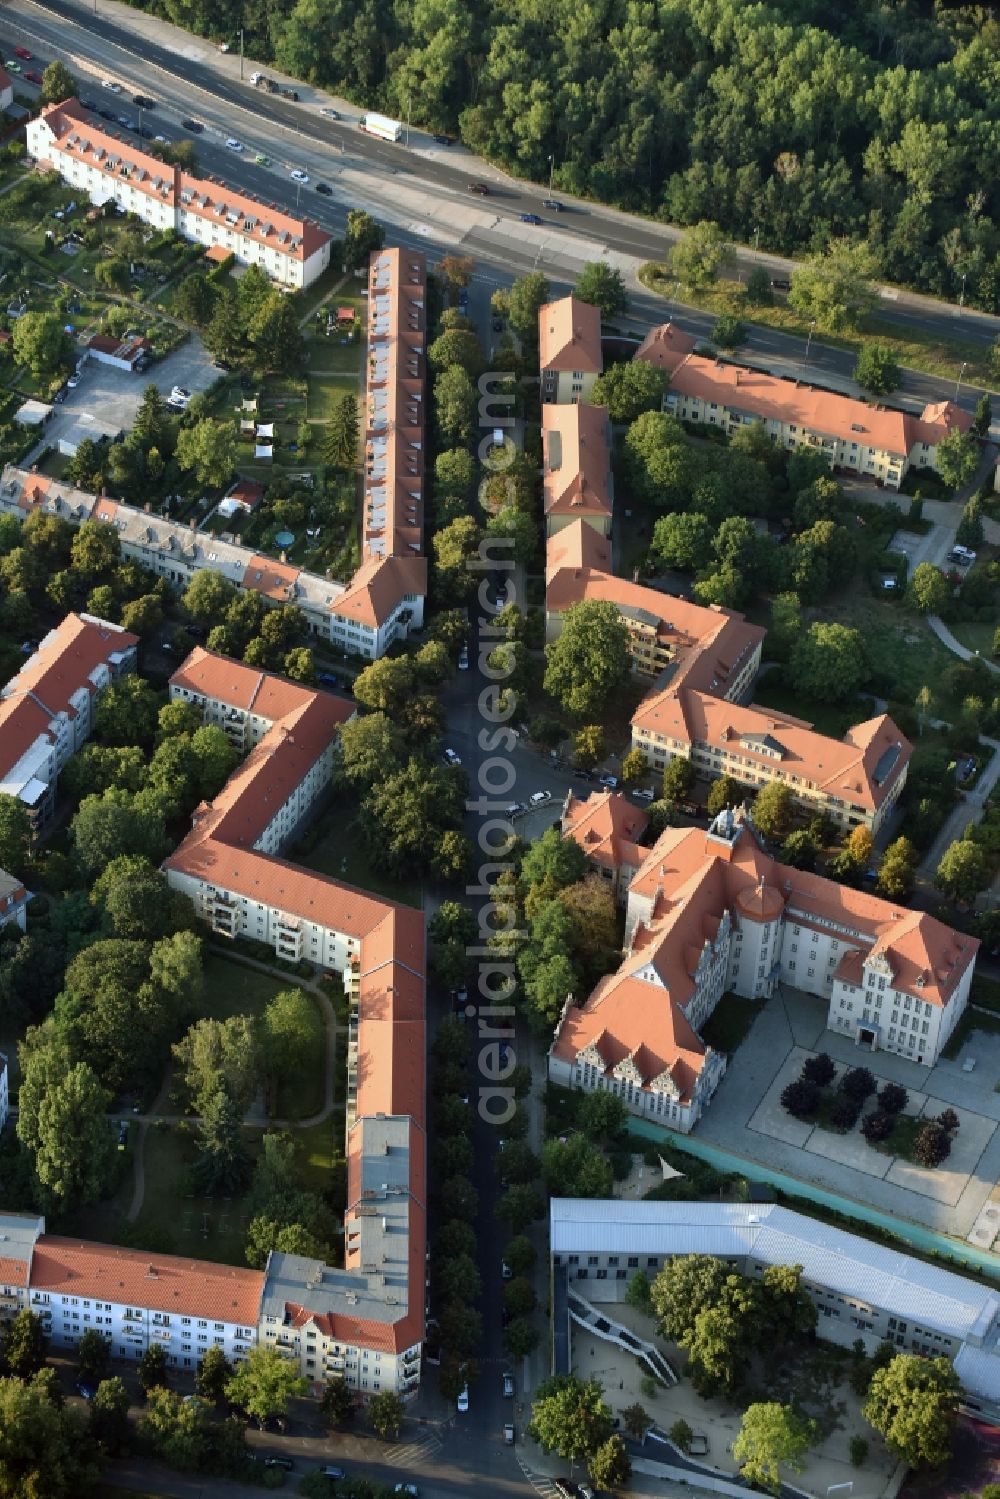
331,354
233,989
976,637
773,691
339,852
175,1220
326,392
729,1023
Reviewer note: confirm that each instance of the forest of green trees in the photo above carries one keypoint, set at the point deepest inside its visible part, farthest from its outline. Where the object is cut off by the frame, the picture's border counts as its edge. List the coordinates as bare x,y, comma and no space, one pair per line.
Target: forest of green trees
874,119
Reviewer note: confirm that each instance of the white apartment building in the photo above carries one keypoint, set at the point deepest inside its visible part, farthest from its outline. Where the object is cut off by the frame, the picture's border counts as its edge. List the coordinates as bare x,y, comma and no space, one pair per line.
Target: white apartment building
569,350
134,1299
382,603
108,169
711,912
875,441
46,711
366,1320
861,1290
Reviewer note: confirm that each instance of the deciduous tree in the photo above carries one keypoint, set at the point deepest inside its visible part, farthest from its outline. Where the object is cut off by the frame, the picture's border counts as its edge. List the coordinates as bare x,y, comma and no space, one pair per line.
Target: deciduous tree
589,658
603,286
956,458
701,255
569,1417
771,1434
913,1404
877,369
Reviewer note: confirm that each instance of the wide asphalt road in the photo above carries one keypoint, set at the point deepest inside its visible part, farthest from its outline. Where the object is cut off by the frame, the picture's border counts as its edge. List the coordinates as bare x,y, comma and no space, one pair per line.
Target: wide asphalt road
197,71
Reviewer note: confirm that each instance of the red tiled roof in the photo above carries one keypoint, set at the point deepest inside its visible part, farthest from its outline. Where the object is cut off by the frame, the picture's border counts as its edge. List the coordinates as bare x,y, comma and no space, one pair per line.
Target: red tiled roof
607,827
577,473
379,586
135,1277
50,677
666,346
274,580
13,1272
569,336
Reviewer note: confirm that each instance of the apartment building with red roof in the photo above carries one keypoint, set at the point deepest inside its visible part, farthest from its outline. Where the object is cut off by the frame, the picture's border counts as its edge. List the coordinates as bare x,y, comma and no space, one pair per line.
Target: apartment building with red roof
569,347
395,404
108,168
46,710
576,476
710,912
381,603
663,629
609,831
875,441
363,1321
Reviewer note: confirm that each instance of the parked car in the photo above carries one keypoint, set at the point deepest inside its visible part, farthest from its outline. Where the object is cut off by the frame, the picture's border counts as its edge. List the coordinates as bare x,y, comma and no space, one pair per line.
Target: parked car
279,1460
462,1403
645,794
452,758
610,783
35,78
506,1273
86,1390
73,381
407,1488
463,658
330,1471
89,104
530,218
780,283
195,126
507,1386
12,66
326,679
539,798
123,1134
325,189
508,1433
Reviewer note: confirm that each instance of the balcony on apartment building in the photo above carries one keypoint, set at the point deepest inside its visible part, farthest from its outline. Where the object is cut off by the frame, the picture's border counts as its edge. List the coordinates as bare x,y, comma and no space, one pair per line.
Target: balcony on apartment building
222,914
288,938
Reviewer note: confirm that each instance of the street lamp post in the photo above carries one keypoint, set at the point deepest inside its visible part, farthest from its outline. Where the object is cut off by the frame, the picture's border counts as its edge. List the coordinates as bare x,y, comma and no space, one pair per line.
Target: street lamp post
958,383
961,295
241,54
408,114
552,168
756,239
805,359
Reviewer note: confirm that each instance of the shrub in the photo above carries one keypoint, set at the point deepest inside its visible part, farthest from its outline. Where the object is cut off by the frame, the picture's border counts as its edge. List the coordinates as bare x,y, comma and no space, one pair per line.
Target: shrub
845,1111
819,1069
680,1434
893,1098
800,1098
932,1145
877,1126
859,1451
857,1082
948,1119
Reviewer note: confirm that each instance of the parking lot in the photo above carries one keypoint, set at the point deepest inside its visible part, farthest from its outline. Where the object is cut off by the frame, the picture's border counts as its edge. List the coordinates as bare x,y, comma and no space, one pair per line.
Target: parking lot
111,396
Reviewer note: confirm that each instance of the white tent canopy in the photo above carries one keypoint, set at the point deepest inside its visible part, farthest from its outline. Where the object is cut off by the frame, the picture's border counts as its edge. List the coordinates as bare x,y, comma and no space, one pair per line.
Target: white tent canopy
265,429
264,450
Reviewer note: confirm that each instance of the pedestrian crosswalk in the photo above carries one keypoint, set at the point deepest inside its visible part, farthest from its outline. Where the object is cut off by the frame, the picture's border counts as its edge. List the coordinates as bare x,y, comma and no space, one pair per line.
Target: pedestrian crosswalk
541,1484
424,1447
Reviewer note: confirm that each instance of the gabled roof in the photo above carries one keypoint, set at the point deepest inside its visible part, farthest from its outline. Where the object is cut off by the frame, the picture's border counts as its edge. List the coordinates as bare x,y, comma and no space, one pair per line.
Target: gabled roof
135,1277
569,336
607,827
666,346
859,769
577,457
379,586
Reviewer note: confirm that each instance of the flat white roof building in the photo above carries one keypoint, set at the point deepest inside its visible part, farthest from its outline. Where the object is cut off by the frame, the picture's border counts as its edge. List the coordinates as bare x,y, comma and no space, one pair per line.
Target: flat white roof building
861,1289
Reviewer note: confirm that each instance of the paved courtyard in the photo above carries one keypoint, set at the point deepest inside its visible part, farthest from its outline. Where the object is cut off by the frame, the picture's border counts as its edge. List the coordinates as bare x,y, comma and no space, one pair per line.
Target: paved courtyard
746,1116
828,1463
110,397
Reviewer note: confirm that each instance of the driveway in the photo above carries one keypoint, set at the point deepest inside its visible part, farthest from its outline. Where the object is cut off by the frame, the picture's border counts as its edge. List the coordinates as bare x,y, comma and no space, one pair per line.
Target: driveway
110,397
